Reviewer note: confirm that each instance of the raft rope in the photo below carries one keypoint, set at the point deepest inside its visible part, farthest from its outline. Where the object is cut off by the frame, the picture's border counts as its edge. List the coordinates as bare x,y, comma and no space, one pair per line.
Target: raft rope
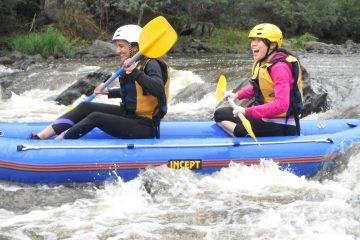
132,146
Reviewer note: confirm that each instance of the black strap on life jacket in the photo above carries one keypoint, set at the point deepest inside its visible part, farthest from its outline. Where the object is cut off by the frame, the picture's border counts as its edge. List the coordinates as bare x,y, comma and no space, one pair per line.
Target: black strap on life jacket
295,106
296,112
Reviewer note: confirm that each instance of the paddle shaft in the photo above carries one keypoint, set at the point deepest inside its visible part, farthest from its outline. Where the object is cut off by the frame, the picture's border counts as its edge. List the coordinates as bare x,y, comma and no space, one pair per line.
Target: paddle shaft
132,146
233,105
117,74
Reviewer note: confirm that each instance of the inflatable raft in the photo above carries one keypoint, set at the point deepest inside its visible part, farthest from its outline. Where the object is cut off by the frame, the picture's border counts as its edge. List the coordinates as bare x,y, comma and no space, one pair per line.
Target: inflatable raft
198,145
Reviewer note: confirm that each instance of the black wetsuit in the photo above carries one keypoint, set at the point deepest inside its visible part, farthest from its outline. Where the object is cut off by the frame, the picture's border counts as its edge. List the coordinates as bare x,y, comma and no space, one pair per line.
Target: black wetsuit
259,127
114,119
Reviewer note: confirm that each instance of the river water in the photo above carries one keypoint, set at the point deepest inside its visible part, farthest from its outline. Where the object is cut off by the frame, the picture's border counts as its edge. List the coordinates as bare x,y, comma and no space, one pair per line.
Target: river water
239,202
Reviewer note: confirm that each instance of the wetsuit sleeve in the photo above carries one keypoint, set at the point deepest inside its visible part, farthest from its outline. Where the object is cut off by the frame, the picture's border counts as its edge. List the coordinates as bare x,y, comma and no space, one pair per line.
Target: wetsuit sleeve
151,81
114,93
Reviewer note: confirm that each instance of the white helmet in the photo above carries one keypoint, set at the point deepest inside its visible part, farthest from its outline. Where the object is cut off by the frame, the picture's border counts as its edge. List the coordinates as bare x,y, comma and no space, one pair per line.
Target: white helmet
129,33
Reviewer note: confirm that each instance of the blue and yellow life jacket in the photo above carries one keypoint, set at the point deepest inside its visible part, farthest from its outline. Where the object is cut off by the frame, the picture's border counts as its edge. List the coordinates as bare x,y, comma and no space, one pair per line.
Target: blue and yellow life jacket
139,102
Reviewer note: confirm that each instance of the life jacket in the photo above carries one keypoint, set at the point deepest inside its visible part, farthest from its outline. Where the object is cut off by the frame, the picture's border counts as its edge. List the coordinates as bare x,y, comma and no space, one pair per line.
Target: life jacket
264,87
137,101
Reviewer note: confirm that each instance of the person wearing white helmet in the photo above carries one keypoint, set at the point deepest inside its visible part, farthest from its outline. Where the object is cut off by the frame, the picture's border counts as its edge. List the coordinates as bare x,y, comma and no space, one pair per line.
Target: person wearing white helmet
143,91
127,35
276,87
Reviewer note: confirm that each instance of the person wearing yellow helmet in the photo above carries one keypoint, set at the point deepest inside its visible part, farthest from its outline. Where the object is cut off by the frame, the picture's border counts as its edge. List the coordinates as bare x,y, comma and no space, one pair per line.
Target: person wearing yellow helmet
276,87
270,35
143,92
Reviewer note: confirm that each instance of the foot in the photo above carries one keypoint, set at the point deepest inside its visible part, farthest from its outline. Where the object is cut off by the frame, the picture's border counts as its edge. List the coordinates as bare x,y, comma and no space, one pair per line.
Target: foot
34,136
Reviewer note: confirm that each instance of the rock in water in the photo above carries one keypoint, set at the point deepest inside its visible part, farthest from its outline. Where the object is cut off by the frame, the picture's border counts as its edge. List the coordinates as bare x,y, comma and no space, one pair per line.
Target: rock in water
85,85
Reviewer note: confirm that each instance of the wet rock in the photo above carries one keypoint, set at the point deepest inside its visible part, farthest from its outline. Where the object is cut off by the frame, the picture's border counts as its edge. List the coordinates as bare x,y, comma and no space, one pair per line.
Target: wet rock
319,47
313,102
191,93
99,49
5,93
85,85
193,46
24,62
6,61
12,58
16,56
351,46
198,29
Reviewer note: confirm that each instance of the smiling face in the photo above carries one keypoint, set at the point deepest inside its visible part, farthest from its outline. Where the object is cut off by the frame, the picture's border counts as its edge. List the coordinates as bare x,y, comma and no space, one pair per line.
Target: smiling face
259,48
123,49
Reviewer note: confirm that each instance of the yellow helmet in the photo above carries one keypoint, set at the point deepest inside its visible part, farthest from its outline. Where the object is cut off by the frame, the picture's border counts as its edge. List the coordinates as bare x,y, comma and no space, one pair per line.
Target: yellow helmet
268,31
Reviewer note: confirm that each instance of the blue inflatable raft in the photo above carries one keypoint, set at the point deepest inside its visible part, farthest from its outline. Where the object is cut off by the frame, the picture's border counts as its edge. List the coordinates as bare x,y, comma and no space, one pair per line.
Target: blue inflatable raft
199,145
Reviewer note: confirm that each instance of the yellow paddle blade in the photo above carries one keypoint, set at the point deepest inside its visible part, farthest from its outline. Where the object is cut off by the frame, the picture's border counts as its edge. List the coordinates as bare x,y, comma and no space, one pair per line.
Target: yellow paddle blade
248,128
157,37
220,88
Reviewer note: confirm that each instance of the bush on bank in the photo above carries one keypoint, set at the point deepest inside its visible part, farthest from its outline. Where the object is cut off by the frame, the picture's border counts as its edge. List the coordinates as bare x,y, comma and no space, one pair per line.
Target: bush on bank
232,40
51,42
47,43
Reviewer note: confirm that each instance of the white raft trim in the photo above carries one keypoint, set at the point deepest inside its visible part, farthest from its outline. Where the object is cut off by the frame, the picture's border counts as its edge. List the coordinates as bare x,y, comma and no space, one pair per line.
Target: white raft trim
133,146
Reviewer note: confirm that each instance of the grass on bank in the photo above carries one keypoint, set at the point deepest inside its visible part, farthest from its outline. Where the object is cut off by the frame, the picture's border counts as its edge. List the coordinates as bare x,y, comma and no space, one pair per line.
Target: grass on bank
51,42
297,43
233,40
224,40
47,43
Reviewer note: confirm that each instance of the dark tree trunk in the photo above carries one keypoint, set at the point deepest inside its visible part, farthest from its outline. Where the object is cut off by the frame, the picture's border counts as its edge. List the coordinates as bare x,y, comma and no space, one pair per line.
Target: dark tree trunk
52,9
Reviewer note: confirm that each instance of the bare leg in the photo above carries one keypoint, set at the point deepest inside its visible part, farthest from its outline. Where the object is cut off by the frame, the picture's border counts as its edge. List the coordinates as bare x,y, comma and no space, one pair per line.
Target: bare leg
59,137
46,133
228,127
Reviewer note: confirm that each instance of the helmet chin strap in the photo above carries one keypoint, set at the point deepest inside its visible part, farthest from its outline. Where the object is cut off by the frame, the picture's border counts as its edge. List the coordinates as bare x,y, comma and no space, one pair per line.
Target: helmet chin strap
132,53
268,52
130,50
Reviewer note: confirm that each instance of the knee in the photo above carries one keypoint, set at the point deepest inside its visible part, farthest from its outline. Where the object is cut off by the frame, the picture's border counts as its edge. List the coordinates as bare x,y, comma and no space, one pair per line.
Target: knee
221,114
240,131
95,117
217,116
84,106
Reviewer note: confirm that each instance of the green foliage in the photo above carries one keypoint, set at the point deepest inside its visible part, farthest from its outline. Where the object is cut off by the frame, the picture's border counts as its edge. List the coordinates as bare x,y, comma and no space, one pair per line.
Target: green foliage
229,40
348,20
7,15
232,40
16,14
46,43
26,9
329,20
297,43
5,45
